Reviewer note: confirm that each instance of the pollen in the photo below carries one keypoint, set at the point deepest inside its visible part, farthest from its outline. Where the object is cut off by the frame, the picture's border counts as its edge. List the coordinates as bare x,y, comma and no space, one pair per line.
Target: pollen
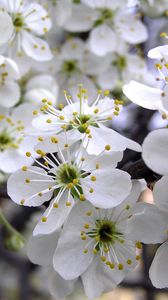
120,267
40,139
75,181
44,219
66,145
85,251
88,213
95,251
129,261
86,226
22,201
106,93
83,237
93,178
24,168
68,203
49,121
27,180
96,110
91,190
70,185
35,112
82,197
55,205
97,166
40,194
108,147
62,118
54,140
138,245
112,266
103,258
138,257
28,154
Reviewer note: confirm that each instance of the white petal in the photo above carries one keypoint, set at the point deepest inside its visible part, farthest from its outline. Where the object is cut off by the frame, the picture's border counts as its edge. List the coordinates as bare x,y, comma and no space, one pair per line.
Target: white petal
159,52
99,279
159,269
102,40
76,261
58,286
110,188
148,226
55,216
18,189
36,95
103,136
81,18
35,47
9,93
154,151
109,79
143,95
160,193
40,249
11,160
6,28
131,29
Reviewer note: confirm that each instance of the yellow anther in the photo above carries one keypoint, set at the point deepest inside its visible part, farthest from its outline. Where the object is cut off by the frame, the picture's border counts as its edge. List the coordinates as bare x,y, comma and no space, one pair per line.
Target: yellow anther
95,251
64,127
103,258
97,238
35,112
86,226
22,201
82,197
27,180
75,113
164,116
127,207
117,108
89,136
158,66
93,178
85,251
40,139
108,263
115,113
61,118
97,166
1,117
120,267
129,261
138,245
166,65
50,188
49,103
60,106
106,93
54,140
88,213
28,154
24,168
96,110
66,145
91,190
75,181
108,147
44,100
83,237
163,34
166,78
99,92
68,203
49,121
87,131
138,257
70,185
109,118
35,46
112,266
44,219
82,159
40,194
106,250
45,29
162,94
46,163
55,205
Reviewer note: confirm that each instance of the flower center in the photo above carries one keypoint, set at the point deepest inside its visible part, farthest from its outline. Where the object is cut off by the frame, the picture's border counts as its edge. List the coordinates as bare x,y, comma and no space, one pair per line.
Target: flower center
5,140
67,174
106,15
18,22
69,66
106,231
120,62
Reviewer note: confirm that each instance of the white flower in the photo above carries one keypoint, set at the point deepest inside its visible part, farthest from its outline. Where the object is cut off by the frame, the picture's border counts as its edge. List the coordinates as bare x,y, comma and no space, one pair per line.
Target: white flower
155,149
9,89
94,244
41,87
86,121
13,143
151,228
146,96
123,68
30,20
67,178
40,250
114,20
6,27
154,8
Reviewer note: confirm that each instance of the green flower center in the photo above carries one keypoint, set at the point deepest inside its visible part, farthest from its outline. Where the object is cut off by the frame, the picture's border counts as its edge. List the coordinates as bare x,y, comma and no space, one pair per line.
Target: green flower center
69,66
120,62
5,140
106,15
67,173
18,22
82,122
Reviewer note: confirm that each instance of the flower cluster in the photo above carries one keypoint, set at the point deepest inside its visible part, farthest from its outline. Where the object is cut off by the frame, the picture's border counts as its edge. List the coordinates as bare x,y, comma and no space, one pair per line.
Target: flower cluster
64,135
